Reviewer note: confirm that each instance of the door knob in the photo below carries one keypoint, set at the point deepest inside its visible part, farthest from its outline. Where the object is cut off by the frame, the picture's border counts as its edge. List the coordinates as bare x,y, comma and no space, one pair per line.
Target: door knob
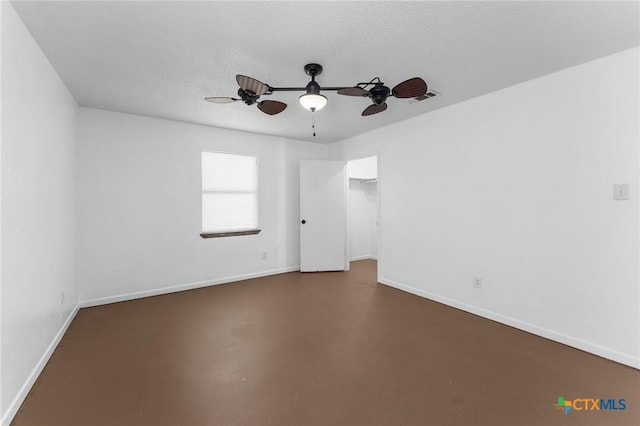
303,221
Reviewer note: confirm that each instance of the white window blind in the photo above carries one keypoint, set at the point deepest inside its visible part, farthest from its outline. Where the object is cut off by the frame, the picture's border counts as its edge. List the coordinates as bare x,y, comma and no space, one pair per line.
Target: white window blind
229,192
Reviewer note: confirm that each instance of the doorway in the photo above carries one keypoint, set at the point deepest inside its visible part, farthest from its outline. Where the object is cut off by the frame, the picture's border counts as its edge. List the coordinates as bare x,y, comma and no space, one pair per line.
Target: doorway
362,208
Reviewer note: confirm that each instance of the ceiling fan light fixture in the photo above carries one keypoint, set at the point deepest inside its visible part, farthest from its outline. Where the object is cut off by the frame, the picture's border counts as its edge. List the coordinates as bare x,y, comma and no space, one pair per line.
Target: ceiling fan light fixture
313,101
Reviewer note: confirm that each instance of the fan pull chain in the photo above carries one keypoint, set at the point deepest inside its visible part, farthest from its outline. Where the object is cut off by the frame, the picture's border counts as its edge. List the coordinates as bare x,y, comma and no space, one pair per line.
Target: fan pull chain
313,123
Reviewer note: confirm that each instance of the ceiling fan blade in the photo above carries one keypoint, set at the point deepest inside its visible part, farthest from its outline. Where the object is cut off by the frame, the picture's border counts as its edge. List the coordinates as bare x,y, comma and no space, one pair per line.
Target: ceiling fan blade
374,109
353,91
220,100
272,107
252,85
411,88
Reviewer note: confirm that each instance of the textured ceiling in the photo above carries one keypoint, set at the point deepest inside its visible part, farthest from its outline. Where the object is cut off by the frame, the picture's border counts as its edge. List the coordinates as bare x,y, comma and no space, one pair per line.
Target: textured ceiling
161,59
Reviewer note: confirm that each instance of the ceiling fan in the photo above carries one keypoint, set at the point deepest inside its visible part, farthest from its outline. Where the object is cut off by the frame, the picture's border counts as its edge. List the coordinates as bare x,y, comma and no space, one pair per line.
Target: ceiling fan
251,89
378,93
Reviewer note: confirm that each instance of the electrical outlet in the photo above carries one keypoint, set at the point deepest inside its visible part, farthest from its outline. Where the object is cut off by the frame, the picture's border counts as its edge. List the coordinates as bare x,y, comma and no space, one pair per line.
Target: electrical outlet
62,297
477,282
264,255
621,191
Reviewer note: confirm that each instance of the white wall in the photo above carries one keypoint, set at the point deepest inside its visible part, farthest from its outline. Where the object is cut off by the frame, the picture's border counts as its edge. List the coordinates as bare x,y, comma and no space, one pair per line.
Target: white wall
516,187
39,119
139,205
363,168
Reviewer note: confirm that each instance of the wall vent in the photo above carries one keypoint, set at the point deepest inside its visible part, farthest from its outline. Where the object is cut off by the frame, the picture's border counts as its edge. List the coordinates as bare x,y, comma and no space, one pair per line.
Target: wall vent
427,95
430,94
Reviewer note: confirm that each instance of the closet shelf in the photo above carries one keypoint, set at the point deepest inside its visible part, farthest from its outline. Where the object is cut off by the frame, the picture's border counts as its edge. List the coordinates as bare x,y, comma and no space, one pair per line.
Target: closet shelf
364,180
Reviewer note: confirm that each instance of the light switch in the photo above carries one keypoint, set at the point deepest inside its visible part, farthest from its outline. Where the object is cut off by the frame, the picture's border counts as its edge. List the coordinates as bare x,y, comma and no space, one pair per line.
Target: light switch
621,191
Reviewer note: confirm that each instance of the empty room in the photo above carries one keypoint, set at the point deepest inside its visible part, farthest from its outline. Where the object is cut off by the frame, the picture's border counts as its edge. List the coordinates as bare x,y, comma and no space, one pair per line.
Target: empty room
323,213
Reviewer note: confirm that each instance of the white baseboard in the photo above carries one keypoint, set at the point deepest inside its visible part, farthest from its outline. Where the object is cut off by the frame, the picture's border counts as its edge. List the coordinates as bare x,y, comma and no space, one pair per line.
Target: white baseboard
13,408
590,347
181,287
366,256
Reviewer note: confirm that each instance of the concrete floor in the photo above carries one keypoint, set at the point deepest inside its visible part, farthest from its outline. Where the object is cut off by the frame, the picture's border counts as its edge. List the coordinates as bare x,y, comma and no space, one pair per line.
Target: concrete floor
314,349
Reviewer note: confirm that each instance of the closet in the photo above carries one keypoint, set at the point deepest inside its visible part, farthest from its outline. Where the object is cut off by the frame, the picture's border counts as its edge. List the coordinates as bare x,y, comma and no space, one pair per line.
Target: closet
362,208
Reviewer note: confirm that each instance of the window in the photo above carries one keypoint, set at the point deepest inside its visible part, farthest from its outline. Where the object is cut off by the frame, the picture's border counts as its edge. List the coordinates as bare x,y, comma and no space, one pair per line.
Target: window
229,195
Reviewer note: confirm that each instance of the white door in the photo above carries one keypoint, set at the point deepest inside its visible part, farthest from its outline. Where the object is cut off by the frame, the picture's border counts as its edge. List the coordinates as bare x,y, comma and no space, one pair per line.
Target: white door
323,216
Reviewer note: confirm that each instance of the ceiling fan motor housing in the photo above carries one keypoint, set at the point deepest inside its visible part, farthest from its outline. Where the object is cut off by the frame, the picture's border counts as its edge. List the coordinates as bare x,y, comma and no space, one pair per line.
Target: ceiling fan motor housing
313,70
313,88
247,96
379,93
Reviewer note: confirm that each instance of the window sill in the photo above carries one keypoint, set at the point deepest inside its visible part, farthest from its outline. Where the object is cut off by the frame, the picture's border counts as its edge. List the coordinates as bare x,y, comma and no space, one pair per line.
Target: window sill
229,234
